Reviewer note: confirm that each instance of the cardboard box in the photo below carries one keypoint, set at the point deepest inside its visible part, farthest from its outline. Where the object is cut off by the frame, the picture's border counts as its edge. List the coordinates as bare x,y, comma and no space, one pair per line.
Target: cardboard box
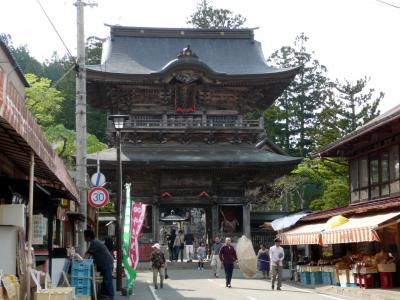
61,293
83,297
391,268
368,270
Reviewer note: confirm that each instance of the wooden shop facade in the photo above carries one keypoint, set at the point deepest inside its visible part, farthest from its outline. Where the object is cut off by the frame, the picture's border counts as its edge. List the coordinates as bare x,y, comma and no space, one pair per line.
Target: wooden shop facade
368,234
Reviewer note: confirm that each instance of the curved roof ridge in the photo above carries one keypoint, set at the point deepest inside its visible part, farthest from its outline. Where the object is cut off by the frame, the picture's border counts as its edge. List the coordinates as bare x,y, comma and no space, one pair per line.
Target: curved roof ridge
181,32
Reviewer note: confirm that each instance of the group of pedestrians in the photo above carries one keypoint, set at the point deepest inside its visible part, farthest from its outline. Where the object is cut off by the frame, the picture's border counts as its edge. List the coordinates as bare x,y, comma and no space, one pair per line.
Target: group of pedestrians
271,260
224,255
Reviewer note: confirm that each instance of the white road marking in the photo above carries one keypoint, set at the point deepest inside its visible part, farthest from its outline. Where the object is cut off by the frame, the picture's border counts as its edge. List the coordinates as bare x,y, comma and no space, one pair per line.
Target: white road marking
251,298
319,294
153,291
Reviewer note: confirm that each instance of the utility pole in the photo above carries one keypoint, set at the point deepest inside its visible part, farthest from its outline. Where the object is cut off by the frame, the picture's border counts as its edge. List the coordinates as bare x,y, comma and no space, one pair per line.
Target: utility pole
81,167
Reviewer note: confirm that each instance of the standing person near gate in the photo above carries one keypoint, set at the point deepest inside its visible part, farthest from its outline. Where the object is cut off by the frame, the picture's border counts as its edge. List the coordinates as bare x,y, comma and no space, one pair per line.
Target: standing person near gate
215,261
276,255
189,239
228,257
158,265
263,260
179,244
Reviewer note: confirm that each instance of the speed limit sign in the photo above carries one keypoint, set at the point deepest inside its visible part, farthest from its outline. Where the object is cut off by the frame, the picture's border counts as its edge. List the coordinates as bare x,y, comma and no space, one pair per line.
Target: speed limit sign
97,197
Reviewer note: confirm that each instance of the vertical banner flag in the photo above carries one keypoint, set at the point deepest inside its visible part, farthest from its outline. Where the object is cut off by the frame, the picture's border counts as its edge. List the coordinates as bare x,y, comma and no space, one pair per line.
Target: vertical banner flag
137,220
130,273
133,222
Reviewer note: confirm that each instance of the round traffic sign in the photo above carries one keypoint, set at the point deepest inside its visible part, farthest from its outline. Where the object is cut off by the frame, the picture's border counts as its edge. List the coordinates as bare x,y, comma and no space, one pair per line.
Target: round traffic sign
97,197
98,179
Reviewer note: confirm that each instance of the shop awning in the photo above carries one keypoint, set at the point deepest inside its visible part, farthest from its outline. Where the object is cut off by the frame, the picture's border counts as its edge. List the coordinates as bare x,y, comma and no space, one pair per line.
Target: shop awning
358,229
303,235
287,221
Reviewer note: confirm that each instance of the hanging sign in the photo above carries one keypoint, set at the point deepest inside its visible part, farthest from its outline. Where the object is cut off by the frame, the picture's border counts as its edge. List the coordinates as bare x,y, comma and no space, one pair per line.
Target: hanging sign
138,215
98,179
98,197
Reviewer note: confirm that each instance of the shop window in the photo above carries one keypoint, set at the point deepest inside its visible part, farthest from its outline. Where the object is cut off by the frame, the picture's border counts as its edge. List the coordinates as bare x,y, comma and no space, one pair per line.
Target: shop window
355,194
374,170
385,166
363,169
394,169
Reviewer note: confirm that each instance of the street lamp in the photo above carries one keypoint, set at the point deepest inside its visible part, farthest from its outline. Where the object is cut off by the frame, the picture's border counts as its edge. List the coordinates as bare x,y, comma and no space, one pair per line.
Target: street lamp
118,121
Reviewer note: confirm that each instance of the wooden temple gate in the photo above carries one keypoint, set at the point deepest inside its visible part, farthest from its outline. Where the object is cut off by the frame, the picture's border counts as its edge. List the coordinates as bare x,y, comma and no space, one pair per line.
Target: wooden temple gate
188,142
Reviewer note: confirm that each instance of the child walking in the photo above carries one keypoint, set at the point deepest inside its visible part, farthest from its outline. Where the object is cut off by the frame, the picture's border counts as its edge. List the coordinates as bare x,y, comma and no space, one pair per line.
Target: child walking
202,254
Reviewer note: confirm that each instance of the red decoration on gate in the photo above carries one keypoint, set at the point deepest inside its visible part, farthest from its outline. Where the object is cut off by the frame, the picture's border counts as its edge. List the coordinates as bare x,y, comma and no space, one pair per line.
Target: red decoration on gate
204,194
165,195
190,110
179,110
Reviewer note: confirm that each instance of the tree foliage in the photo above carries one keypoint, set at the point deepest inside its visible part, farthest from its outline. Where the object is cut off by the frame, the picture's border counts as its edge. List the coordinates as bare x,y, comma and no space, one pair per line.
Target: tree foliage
208,17
44,102
291,121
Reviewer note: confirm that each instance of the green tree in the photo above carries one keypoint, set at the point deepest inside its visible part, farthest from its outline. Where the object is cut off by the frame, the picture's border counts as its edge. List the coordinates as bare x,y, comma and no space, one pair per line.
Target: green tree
44,102
357,106
93,50
294,114
208,17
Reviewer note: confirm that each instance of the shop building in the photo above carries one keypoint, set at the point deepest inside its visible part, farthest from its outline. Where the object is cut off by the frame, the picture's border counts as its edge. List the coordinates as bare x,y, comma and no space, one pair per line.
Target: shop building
369,225
27,162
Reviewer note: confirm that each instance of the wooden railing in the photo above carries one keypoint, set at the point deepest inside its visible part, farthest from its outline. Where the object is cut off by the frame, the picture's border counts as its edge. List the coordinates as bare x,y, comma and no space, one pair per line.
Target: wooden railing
190,121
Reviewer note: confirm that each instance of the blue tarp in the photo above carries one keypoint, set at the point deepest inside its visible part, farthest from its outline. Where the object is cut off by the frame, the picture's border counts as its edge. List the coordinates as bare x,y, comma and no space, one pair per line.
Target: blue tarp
287,221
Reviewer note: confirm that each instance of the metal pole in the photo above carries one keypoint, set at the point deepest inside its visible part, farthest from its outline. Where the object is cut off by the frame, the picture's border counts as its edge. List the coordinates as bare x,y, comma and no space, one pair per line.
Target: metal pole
30,205
81,123
118,229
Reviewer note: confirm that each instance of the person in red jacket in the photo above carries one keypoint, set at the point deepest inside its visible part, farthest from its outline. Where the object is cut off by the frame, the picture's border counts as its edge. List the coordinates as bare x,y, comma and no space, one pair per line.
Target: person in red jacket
228,257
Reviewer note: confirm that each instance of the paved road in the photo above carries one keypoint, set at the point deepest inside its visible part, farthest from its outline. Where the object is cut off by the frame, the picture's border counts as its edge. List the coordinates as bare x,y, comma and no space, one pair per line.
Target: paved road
200,285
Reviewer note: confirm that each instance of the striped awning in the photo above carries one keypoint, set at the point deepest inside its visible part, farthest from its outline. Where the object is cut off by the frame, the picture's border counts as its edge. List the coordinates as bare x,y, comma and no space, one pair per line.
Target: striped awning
303,235
357,229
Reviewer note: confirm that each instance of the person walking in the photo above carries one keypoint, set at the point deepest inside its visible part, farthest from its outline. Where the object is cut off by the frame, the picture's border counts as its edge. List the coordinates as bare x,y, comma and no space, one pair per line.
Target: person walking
202,254
228,257
179,244
189,239
158,265
103,260
171,241
276,255
215,261
263,259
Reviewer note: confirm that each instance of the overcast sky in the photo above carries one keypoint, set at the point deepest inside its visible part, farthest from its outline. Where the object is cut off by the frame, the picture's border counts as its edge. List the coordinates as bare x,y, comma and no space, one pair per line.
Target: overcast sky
353,38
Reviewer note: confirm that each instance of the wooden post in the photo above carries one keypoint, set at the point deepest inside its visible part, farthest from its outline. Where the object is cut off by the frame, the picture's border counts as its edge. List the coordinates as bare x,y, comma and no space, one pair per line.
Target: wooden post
214,216
246,221
156,222
30,232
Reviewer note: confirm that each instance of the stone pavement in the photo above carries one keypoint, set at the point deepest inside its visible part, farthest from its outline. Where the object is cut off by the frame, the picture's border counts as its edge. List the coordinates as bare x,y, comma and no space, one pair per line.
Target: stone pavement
201,285
357,293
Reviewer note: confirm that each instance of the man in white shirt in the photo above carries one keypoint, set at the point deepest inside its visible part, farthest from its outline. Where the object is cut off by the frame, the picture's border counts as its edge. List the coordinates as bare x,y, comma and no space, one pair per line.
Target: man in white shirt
276,255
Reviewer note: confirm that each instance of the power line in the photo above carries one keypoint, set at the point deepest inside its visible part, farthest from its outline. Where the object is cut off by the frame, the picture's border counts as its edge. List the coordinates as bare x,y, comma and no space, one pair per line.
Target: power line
390,4
55,29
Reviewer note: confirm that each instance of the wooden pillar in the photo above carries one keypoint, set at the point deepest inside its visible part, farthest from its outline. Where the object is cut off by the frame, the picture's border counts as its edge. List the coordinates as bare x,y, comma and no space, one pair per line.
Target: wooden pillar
246,220
156,222
30,224
215,225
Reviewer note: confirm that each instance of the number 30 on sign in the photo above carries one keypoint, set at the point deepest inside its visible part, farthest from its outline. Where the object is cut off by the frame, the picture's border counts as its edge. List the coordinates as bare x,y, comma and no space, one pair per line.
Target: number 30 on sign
98,197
